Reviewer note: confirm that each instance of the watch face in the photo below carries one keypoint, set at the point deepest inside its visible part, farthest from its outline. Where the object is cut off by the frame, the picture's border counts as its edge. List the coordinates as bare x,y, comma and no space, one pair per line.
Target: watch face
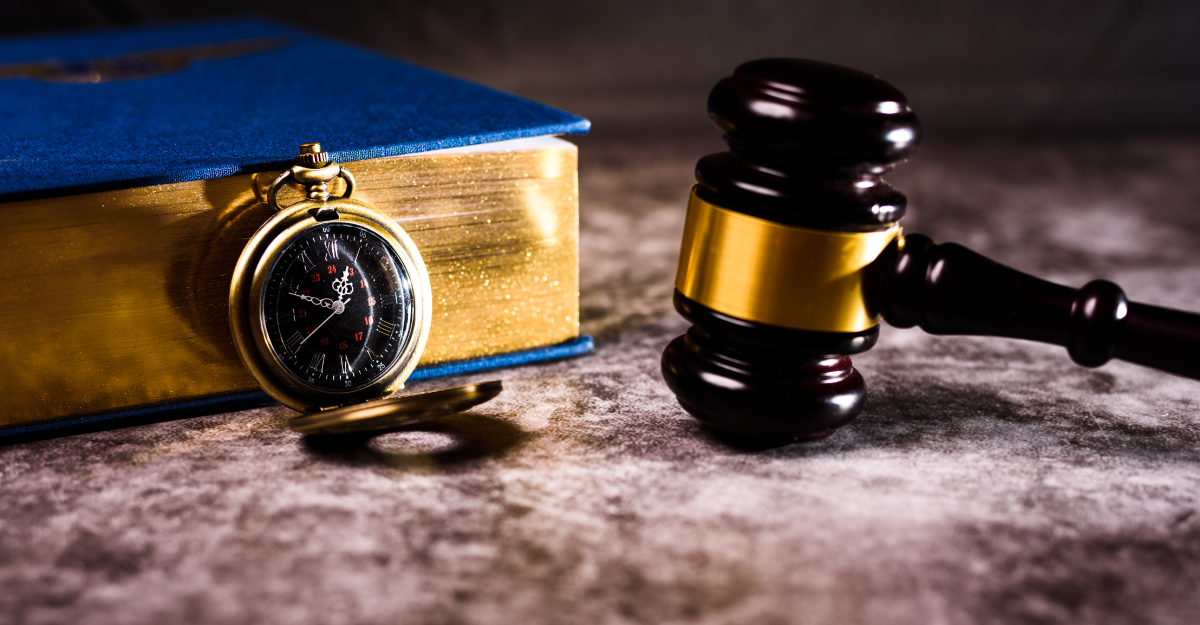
337,307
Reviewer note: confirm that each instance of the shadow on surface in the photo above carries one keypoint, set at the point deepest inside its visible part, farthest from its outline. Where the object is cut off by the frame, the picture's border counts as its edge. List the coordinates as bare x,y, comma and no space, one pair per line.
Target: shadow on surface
441,443
743,444
934,414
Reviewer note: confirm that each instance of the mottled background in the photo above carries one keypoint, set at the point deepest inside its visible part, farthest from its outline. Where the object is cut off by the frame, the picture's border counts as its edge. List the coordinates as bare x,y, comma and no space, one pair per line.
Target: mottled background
986,481
1028,66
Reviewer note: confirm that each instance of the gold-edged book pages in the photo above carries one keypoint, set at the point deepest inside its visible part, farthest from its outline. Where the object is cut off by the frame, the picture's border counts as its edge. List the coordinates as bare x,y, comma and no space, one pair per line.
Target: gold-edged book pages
119,299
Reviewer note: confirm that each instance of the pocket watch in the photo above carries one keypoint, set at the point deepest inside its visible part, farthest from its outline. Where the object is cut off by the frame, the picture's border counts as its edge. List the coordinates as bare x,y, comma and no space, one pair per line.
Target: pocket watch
330,306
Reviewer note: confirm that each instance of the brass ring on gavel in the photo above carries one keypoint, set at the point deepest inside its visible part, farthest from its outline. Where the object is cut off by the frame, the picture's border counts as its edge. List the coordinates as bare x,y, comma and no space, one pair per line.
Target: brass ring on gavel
786,276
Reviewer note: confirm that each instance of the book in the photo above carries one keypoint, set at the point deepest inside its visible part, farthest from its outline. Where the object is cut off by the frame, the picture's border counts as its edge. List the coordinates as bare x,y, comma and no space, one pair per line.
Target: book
135,174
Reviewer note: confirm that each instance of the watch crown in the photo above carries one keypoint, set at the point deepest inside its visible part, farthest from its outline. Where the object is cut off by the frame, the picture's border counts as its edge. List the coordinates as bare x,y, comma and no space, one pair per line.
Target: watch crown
311,155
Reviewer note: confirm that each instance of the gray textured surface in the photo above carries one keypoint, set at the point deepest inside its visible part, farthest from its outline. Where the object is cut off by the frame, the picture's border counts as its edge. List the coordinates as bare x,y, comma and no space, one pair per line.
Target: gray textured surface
986,481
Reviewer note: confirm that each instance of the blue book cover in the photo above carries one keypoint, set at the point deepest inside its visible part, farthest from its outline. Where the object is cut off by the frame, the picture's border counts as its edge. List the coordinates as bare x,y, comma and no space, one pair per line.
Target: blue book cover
136,108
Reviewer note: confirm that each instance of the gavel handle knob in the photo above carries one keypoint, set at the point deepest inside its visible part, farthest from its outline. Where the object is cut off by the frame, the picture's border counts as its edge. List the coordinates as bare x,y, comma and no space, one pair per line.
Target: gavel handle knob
948,289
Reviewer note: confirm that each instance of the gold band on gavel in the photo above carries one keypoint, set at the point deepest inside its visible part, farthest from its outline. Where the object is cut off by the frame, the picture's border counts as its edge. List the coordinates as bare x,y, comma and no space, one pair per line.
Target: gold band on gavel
761,271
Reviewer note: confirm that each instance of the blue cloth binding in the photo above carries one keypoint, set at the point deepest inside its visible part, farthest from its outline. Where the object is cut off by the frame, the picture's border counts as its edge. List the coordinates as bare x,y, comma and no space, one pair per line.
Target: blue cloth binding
242,401
220,117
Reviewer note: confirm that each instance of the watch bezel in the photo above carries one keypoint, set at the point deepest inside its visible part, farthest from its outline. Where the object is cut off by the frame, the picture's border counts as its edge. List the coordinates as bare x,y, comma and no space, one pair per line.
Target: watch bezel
249,281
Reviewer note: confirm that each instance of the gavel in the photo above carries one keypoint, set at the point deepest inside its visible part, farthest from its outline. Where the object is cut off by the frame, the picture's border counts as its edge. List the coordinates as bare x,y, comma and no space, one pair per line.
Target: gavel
792,252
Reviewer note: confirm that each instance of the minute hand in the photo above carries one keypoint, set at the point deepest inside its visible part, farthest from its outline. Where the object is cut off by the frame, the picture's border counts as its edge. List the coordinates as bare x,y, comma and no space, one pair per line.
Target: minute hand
338,307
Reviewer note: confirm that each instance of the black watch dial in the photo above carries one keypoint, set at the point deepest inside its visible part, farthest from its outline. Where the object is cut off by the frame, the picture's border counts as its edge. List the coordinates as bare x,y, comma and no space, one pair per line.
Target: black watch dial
337,307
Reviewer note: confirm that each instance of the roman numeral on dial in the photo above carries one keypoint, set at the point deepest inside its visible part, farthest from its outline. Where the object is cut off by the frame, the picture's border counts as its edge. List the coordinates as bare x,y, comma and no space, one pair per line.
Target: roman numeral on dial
318,363
293,342
345,362
331,250
385,328
308,264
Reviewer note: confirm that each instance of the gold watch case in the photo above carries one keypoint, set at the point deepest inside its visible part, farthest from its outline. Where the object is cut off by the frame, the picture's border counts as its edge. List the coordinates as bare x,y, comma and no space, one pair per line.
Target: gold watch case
246,313
389,414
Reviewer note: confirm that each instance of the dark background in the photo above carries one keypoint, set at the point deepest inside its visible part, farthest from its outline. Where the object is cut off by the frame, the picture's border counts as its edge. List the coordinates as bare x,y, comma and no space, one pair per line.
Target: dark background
1010,68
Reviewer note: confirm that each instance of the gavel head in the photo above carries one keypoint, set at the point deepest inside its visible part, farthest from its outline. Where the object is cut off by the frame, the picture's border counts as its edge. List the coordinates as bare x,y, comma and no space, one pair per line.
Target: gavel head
781,252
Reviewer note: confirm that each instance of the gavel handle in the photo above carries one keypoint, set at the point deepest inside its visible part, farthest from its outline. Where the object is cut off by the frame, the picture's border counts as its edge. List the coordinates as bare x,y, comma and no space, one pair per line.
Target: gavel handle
948,289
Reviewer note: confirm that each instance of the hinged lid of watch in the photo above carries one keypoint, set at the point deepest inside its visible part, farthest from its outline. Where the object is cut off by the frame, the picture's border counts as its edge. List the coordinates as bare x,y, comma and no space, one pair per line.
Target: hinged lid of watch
385,414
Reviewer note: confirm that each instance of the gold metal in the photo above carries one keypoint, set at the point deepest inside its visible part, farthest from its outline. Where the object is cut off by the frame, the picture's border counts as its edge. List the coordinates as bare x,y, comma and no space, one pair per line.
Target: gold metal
387,414
120,299
311,155
249,282
315,179
785,276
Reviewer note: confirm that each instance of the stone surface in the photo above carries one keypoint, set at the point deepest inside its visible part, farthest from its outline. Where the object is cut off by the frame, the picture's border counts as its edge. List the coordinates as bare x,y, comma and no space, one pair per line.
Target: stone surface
986,481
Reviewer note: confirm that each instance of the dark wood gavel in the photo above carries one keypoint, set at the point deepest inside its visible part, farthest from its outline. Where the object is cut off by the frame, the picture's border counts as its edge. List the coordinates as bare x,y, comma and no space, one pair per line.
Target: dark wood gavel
792,252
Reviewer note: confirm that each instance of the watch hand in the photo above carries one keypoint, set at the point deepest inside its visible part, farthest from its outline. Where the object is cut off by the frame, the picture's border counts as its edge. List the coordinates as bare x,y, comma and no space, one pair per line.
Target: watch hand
323,302
342,285
343,288
338,308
